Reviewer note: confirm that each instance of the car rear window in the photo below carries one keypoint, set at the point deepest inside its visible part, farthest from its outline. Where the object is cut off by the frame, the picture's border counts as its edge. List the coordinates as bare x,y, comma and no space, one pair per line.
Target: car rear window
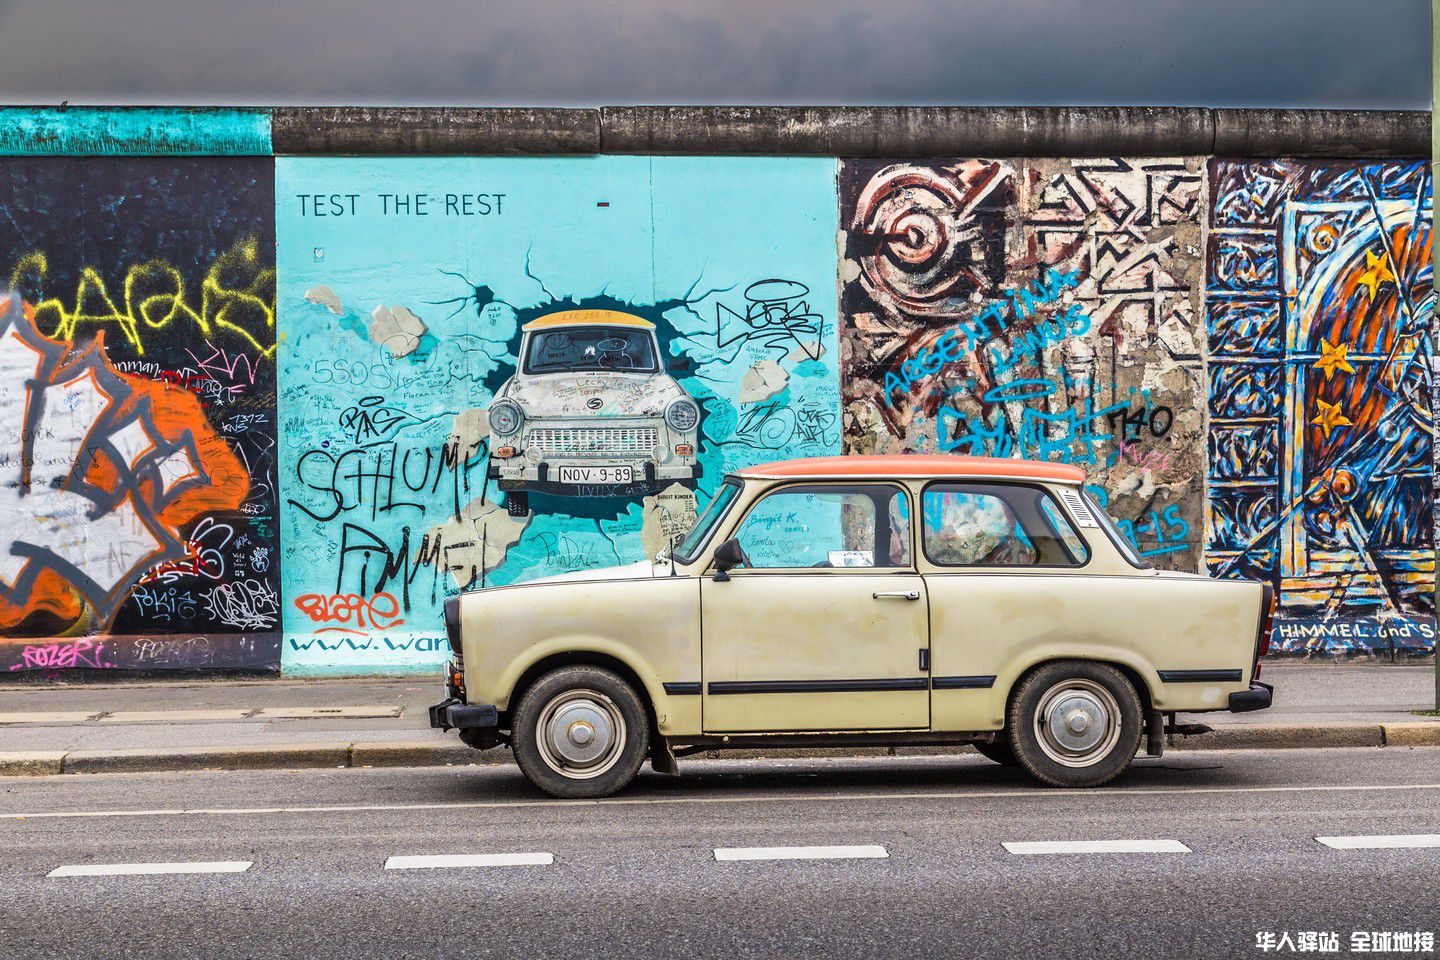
998,525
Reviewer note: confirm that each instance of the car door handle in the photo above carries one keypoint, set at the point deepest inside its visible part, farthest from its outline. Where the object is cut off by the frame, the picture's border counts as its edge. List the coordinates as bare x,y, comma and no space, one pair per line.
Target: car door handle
897,595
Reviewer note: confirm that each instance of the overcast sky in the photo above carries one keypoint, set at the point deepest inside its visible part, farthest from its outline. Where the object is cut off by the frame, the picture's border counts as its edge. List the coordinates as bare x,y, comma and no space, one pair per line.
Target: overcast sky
1284,53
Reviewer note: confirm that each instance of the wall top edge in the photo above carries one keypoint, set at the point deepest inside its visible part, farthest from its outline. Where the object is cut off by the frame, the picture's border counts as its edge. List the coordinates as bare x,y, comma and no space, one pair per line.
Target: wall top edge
839,131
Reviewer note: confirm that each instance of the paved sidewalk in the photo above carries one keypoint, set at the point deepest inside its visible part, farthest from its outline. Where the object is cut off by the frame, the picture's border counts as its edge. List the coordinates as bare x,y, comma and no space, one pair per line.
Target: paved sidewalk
205,724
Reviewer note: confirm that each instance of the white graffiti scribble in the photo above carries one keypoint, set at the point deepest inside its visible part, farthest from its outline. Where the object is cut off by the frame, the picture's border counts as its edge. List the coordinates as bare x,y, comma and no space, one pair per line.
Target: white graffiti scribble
247,604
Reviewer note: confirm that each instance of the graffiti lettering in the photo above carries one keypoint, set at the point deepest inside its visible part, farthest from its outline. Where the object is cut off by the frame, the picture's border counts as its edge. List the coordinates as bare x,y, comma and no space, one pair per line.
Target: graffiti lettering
63,655
154,295
379,612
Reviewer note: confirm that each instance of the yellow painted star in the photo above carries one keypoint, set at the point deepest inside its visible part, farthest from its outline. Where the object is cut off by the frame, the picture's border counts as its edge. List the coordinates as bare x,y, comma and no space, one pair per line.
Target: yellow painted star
1377,271
1330,417
1333,356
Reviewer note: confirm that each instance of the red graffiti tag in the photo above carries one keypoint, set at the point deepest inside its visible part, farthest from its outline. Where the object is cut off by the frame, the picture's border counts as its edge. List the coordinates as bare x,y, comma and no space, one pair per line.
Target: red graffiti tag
379,612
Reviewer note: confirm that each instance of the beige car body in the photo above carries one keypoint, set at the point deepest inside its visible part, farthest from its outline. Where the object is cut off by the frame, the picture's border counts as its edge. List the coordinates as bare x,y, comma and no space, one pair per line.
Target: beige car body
733,660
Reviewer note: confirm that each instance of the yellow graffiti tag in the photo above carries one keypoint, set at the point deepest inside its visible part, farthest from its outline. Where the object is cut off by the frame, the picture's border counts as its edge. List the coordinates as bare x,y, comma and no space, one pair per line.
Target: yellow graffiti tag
155,296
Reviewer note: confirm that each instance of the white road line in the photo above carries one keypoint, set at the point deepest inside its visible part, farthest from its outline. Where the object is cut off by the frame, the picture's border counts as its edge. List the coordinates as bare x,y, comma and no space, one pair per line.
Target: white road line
137,869
1096,846
1400,841
1031,795
470,860
800,853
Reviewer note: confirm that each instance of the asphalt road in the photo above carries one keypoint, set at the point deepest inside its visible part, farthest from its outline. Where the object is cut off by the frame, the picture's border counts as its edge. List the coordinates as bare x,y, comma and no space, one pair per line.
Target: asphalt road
638,875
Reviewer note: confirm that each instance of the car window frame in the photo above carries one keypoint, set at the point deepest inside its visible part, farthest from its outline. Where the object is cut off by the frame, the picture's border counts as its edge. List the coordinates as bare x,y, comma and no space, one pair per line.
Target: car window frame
905,490
1063,510
699,551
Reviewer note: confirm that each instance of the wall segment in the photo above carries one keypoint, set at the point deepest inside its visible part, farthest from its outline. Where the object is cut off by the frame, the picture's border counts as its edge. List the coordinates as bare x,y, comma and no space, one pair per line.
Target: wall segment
249,396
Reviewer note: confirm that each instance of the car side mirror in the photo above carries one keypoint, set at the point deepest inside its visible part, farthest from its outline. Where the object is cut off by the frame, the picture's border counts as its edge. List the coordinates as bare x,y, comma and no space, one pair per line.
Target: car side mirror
678,365
727,557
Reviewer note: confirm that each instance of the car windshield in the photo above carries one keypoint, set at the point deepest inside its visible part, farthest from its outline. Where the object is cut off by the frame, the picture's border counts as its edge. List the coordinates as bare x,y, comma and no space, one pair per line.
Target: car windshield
699,533
1113,531
591,349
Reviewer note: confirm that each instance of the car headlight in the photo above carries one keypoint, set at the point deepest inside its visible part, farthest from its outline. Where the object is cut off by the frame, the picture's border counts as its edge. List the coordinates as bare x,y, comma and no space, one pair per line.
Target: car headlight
682,415
505,417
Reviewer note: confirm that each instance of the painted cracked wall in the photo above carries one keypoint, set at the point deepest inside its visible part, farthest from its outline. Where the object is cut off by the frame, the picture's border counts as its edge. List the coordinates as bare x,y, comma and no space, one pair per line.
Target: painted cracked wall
406,285
137,471
1320,314
1239,351
1045,309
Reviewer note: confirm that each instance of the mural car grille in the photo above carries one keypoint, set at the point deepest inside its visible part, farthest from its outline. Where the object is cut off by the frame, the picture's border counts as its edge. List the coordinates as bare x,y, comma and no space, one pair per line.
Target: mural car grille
595,441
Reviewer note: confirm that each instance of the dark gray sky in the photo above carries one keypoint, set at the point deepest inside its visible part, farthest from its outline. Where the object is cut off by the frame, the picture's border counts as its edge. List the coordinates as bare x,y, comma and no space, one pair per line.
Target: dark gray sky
1320,53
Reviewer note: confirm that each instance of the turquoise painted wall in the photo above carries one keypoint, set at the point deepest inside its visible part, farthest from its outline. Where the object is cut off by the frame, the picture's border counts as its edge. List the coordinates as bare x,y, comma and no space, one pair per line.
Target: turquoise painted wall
386,506
133,132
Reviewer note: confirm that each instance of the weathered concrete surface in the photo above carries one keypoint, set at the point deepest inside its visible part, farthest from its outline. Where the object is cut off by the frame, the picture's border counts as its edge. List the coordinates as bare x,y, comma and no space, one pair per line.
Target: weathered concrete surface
1419,734
31,763
1374,134
434,130
907,131
289,756
1014,131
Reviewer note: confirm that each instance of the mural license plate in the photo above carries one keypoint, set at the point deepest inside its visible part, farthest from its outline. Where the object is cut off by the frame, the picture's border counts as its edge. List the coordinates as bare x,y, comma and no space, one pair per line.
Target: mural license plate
596,474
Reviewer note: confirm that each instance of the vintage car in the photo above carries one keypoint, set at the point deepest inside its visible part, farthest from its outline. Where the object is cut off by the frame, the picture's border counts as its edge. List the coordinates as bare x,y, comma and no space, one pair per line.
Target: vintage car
860,600
590,412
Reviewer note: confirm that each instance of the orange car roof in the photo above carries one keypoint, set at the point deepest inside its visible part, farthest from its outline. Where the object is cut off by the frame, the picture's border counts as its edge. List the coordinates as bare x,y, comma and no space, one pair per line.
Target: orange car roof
915,465
599,318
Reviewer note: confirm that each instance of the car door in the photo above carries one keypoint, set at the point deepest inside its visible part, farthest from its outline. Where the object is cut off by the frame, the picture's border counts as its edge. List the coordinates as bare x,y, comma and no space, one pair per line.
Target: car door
826,628
1000,561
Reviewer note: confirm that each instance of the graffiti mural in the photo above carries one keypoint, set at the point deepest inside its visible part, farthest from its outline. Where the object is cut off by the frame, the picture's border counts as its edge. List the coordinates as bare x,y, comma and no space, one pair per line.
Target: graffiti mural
1044,309
494,370
1320,307
137,472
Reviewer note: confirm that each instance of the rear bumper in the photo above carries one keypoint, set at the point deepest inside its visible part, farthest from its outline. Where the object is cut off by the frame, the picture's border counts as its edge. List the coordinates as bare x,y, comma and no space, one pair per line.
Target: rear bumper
454,714
1258,697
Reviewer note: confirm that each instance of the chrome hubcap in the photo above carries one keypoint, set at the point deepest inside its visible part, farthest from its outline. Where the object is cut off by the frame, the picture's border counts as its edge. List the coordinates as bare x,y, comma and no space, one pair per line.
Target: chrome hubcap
1077,723
580,734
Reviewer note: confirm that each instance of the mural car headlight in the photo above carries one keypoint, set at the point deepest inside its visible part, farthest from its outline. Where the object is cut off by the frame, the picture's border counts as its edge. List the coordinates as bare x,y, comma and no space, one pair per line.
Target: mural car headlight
682,415
505,417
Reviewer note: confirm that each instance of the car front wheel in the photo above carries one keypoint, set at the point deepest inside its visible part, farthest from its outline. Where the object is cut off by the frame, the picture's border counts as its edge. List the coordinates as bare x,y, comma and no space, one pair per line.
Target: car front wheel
1073,723
580,732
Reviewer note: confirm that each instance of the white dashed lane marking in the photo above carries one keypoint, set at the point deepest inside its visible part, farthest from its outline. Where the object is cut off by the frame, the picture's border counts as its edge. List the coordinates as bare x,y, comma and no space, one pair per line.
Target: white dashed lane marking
1096,846
139,869
801,853
1404,841
444,861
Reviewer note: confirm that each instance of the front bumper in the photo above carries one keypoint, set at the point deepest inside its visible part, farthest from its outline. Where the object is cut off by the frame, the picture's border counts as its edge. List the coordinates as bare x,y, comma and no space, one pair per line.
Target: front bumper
453,714
1258,697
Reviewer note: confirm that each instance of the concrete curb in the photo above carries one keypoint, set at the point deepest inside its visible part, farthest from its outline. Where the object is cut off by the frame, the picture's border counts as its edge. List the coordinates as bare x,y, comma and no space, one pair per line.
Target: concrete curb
31,763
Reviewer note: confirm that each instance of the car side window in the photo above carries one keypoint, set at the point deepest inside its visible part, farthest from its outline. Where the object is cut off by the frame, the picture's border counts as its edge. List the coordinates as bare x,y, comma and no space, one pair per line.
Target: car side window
997,525
827,526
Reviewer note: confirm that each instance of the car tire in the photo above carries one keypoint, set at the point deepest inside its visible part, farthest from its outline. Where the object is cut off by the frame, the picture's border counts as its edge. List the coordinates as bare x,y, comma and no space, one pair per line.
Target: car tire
580,733
1102,724
517,503
1000,751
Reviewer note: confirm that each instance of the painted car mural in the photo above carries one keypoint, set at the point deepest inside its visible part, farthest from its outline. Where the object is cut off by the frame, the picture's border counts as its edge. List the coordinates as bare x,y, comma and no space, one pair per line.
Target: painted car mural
591,412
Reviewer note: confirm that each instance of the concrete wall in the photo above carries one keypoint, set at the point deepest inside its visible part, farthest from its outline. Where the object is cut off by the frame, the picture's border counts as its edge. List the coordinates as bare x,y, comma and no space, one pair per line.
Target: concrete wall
248,394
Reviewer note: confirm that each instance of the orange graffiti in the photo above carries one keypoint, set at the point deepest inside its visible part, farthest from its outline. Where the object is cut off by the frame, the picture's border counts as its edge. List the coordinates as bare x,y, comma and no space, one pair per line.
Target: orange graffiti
146,463
379,612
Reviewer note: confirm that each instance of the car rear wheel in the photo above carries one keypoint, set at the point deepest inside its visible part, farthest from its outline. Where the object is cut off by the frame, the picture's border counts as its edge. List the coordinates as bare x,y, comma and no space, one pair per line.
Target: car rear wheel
1073,723
580,732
